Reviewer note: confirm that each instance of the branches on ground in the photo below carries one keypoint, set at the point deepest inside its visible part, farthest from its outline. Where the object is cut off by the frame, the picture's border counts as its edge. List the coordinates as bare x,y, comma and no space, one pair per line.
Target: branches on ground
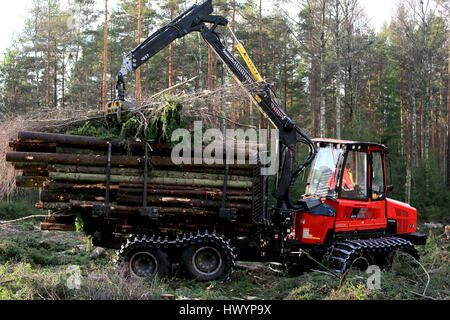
24,219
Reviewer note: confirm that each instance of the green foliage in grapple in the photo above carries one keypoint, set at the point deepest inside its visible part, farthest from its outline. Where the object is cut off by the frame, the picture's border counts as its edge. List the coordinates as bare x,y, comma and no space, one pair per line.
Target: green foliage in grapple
132,126
129,128
169,119
100,128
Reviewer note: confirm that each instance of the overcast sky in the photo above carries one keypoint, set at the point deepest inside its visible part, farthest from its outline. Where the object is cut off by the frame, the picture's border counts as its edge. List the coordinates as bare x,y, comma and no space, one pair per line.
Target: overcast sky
14,13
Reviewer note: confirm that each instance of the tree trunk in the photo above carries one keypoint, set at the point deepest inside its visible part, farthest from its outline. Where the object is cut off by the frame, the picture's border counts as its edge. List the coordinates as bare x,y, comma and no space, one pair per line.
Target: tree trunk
183,202
322,73
195,192
338,73
105,57
63,80
262,121
312,86
138,71
448,114
432,119
48,58
414,144
403,140
285,76
210,75
99,178
260,39
440,139
235,115
80,141
14,93
75,159
94,170
55,77
171,80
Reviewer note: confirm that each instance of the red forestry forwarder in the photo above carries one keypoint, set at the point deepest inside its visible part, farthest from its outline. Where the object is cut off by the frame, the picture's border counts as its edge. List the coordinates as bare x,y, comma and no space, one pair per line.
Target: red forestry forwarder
344,214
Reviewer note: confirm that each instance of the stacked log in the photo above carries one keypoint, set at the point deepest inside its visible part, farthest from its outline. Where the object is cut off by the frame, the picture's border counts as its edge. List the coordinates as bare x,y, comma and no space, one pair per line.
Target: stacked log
72,173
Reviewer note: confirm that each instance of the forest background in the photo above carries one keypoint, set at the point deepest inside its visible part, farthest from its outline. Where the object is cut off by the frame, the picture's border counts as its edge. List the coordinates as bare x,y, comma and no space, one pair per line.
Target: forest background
334,74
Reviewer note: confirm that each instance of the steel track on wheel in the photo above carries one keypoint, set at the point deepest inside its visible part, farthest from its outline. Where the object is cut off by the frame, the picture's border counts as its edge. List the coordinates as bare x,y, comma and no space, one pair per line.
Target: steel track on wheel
341,254
176,246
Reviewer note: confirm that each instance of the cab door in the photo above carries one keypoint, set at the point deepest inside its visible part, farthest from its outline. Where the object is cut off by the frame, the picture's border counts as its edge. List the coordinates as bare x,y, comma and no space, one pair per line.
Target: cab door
352,190
377,185
357,208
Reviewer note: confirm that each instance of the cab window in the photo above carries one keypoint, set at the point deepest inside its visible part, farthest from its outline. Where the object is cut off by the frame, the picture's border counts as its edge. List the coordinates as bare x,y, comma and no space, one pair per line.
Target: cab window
353,179
378,185
323,174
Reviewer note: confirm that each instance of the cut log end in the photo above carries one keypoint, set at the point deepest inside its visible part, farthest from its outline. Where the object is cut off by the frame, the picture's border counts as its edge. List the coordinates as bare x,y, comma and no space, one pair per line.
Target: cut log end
58,227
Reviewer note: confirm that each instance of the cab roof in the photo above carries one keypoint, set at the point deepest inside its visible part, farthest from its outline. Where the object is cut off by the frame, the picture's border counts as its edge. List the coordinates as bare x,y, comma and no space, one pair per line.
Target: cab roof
350,143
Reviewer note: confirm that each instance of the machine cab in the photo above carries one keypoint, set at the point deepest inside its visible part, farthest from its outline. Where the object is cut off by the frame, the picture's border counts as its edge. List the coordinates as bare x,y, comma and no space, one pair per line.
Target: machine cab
350,177
348,170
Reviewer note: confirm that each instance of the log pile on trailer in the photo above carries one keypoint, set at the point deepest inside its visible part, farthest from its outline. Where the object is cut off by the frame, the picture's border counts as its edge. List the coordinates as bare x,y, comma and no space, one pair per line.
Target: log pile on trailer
118,187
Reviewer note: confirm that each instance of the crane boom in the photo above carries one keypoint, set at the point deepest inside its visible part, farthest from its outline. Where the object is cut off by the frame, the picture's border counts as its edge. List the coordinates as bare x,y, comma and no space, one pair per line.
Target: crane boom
196,18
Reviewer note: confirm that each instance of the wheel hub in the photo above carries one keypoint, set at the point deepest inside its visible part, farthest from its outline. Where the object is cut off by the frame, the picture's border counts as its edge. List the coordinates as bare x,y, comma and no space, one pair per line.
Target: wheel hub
207,260
143,264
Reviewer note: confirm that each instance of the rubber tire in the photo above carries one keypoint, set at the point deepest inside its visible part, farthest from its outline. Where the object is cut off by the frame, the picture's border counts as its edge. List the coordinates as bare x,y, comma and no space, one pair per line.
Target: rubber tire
123,262
221,274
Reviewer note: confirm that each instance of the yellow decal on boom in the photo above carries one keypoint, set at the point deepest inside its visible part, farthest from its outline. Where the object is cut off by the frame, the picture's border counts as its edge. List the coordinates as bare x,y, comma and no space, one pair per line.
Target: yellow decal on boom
246,58
249,63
